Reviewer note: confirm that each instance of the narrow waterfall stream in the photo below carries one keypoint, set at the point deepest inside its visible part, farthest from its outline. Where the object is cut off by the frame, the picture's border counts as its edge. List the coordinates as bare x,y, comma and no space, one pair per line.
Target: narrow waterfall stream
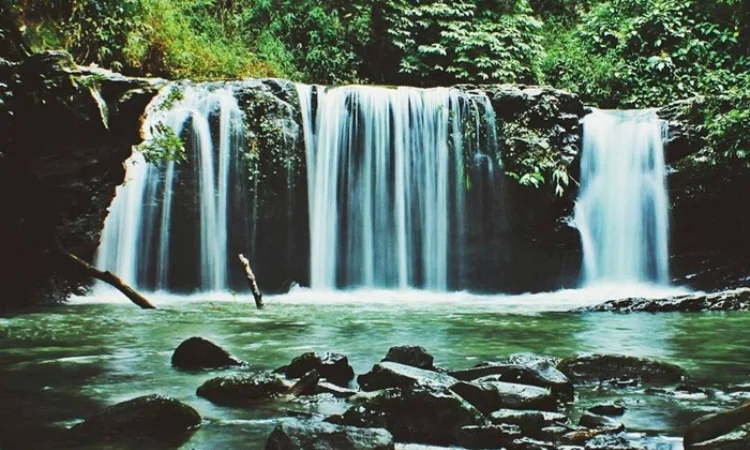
387,181
622,210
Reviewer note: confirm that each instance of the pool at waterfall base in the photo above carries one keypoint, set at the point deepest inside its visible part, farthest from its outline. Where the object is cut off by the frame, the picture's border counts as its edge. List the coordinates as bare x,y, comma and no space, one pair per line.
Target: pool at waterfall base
60,365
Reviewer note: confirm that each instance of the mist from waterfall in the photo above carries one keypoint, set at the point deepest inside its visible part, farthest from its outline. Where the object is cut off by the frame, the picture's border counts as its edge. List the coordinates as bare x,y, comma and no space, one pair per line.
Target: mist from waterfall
622,209
387,181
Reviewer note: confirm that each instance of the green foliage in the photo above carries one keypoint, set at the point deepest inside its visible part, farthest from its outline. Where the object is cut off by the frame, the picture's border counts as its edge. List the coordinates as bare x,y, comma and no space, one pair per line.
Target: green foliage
164,145
637,53
727,122
464,41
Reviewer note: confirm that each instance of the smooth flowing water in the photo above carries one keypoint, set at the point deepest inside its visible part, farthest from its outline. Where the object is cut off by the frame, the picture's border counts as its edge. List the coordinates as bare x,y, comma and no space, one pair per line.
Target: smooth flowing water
386,182
61,365
139,242
622,209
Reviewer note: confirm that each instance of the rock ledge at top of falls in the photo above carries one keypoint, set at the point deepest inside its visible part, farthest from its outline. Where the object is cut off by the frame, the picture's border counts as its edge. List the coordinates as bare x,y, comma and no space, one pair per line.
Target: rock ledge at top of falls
732,300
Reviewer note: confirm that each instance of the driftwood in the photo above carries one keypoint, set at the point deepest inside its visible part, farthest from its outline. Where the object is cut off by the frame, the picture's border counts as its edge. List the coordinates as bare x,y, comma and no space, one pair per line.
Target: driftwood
111,279
251,279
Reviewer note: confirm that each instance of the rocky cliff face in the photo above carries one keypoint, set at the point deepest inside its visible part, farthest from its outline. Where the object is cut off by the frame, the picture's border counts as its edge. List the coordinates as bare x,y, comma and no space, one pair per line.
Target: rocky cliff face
64,134
710,245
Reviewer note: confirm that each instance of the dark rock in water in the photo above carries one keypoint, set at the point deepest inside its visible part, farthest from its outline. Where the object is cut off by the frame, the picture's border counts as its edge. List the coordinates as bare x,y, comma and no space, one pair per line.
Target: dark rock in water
591,420
537,373
611,442
420,414
410,355
531,422
244,389
148,416
333,367
598,368
335,390
715,425
532,444
552,433
739,440
488,395
487,436
607,409
199,353
734,300
389,374
297,435
307,385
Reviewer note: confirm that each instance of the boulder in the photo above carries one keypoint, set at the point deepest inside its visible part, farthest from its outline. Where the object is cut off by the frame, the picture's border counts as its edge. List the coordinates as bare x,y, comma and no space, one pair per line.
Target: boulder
335,390
243,389
611,442
530,422
715,425
607,409
420,414
389,374
198,353
148,416
410,355
739,440
599,368
537,373
527,443
488,395
487,436
298,435
333,367
591,420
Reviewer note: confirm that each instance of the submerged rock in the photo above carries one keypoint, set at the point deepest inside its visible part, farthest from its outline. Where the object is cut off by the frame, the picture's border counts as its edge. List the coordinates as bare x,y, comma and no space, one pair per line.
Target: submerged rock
147,416
531,422
539,373
333,367
244,389
199,353
591,420
421,414
297,435
487,436
733,300
715,425
410,355
598,368
611,442
488,395
607,409
389,375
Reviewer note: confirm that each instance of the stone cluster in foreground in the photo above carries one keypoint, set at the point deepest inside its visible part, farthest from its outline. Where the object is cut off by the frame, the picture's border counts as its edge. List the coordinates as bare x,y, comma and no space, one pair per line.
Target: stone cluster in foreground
405,398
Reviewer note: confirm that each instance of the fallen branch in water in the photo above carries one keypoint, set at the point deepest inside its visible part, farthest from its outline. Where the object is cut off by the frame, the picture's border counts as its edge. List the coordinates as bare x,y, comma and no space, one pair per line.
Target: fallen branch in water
251,279
111,279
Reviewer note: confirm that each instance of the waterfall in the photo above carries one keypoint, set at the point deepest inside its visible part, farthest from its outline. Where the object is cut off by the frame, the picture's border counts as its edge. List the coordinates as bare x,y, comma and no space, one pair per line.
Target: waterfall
622,209
142,240
387,180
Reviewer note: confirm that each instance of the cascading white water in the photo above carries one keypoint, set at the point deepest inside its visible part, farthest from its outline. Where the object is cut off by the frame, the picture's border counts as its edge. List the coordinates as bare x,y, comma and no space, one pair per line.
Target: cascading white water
622,209
386,182
141,219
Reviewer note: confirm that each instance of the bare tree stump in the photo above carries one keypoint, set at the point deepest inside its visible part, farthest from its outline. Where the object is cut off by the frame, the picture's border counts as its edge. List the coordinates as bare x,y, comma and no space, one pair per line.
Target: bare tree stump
111,279
253,283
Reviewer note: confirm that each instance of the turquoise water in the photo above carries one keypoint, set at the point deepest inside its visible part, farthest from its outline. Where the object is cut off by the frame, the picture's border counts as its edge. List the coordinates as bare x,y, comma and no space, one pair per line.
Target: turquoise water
60,365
